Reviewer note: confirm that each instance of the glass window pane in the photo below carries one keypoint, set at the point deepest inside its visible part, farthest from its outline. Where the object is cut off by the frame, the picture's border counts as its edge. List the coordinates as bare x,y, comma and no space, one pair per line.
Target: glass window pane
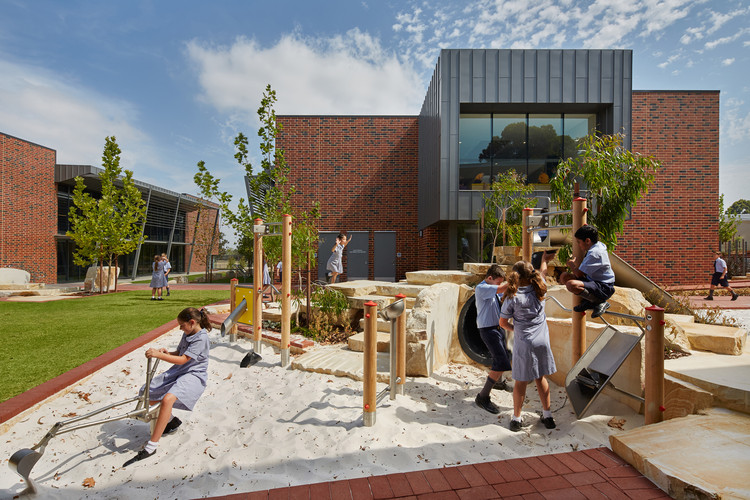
545,147
576,126
474,169
508,144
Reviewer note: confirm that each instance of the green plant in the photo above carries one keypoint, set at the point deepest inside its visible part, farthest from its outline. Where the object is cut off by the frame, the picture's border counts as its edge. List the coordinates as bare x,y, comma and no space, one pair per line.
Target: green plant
614,179
728,222
503,208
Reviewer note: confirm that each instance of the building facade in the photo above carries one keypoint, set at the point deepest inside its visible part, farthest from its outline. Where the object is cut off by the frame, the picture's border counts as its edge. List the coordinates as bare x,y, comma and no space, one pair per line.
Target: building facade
491,111
36,194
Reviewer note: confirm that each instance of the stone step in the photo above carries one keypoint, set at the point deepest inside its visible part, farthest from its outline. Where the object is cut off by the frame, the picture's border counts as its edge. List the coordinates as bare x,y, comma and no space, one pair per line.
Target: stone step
356,342
406,289
716,338
697,456
435,277
358,302
339,361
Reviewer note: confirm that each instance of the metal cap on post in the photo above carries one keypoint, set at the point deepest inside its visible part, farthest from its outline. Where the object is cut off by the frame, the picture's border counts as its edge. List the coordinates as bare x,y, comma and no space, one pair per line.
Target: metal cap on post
401,348
370,367
232,304
526,235
286,287
654,376
579,319
257,286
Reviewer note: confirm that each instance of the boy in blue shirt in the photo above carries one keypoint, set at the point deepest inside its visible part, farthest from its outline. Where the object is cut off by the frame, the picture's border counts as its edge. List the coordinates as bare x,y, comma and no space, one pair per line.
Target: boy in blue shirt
592,278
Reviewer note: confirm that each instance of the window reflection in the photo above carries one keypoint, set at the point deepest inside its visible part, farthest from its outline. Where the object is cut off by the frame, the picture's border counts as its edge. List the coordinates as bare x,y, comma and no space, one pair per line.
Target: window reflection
530,144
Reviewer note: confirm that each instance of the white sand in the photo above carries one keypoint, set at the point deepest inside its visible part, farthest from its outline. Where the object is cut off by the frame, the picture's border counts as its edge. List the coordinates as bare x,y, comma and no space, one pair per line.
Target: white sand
265,427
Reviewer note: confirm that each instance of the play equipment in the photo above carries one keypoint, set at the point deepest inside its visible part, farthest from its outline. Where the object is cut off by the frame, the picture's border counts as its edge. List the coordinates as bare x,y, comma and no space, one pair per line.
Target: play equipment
397,355
22,461
247,309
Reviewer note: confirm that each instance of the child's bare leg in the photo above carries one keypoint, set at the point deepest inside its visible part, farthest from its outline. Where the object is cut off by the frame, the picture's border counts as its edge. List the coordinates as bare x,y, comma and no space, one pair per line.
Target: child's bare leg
542,387
165,415
333,277
519,394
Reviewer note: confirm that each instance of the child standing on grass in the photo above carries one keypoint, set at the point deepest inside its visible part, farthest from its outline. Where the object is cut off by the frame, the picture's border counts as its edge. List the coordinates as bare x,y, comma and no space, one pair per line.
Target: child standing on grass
158,279
167,270
532,354
181,385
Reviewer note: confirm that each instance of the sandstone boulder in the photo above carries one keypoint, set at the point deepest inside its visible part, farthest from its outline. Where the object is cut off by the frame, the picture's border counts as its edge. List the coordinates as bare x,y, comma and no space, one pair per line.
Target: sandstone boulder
91,283
11,276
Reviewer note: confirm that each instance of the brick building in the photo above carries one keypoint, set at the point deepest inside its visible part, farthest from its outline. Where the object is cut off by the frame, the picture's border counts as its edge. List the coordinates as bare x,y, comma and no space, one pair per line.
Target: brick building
36,194
409,188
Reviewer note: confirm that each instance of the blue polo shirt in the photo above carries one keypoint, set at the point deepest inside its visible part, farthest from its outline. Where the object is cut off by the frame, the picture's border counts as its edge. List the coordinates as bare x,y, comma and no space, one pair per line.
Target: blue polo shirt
488,307
595,264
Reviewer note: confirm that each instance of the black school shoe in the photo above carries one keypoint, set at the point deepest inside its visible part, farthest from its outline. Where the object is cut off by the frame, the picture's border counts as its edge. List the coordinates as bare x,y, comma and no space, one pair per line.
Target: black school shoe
548,422
503,385
487,404
172,426
583,306
140,456
516,425
599,309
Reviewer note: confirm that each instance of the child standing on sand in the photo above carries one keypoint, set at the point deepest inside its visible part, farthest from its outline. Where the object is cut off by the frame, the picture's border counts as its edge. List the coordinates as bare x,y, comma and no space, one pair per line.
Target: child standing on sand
181,385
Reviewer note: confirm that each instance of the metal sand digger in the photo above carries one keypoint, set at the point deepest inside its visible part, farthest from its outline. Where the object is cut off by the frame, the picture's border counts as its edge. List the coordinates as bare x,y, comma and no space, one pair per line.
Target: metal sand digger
22,461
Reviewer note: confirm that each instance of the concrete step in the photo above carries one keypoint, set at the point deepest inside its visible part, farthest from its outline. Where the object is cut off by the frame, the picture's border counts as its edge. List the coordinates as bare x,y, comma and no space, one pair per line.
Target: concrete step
726,377
339,361
697,456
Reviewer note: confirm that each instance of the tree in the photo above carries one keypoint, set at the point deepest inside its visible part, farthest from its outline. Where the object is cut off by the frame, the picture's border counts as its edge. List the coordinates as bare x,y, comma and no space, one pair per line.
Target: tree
109,226
271,189
728,222
504,206
614,177
739,207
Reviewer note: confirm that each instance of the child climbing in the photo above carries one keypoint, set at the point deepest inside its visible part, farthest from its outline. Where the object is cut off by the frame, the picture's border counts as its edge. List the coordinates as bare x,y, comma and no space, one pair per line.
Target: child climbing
181,385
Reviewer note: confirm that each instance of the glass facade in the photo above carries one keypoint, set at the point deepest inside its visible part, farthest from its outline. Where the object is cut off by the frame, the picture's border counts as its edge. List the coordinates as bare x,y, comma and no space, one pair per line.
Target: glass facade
530,144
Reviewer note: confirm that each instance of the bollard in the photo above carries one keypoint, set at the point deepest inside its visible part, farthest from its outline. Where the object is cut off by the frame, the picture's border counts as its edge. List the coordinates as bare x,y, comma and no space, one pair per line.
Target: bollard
654,376
526,240
286,287
401,349
579,320
232,304
369,395
257,287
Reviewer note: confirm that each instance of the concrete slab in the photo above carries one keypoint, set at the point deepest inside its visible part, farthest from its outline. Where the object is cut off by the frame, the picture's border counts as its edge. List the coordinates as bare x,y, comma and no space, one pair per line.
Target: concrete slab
698,456
726,377
339,361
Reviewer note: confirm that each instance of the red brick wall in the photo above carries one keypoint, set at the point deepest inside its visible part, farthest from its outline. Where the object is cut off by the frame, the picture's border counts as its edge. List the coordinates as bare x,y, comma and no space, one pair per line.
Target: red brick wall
28,208
202,239
343,161
674,229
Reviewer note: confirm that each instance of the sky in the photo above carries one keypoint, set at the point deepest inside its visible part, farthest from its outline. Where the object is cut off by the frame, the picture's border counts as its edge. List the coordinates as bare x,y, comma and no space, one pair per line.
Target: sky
175,81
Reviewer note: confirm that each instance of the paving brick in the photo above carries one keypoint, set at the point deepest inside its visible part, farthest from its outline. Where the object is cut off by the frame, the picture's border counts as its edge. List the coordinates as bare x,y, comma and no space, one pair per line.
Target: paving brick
399,485
588,462
564,494
455,479
360,489
340,490
646,494
619,471
610,491
550,483
508,472
514,488
532,496
418,483
439,495
485,492
632,483
591,493
568,460
614,456
380,487
437,481
582,478
256,495
301,492
320,490
521,466
489,473
555,464
539,467
472,475
278,494
604,459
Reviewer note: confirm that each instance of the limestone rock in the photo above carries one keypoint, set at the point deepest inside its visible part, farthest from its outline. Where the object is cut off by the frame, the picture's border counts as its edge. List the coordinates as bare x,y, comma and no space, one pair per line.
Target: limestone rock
716,338
683,398
435,311
393,289
357,342
675,337
357,287
435,277
11,276
91,283
416,360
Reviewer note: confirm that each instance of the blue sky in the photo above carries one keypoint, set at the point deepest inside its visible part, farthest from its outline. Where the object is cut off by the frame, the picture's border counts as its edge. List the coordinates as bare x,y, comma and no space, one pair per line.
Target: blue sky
175,81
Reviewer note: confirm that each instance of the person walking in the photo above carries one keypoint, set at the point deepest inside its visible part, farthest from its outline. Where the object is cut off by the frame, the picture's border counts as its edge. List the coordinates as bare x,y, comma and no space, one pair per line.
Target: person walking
719,277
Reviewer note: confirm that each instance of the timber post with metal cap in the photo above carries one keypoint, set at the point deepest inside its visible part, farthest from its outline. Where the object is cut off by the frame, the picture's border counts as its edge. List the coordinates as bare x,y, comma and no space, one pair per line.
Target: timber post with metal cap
654,360
232,305
286,287
257,287
401,348
579,319
370,367
526,238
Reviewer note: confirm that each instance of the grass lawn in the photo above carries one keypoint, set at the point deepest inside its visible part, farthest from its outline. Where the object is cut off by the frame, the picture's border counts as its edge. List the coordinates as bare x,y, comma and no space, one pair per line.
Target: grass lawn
42,340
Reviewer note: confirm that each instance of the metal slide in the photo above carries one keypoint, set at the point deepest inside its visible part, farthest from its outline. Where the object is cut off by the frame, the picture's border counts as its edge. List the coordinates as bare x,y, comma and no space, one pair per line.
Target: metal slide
629,277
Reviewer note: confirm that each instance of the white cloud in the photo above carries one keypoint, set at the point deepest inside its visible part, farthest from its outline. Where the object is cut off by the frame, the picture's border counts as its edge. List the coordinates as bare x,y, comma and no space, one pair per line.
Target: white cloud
728,61
347,74
735,125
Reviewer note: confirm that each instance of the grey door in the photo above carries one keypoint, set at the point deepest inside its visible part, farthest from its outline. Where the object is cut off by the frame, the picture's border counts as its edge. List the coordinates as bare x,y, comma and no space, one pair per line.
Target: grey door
326,240
384,246
357,256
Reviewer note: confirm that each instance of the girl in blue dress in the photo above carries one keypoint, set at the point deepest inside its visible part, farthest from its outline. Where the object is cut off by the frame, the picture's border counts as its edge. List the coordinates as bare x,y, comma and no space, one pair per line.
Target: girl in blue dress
532,354
181,385
158,279
335,264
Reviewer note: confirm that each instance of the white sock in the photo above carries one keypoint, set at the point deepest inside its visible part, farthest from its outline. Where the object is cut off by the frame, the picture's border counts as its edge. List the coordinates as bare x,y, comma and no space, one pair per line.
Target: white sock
151,447
516,419
546,414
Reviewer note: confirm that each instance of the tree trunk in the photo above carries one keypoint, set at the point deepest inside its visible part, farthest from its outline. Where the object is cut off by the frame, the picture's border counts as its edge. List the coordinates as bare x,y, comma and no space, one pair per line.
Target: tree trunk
117,268
101,272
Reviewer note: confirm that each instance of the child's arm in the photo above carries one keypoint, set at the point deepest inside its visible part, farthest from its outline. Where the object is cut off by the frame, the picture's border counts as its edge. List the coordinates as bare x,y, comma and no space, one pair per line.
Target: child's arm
502,287
573,266
169,357
505,324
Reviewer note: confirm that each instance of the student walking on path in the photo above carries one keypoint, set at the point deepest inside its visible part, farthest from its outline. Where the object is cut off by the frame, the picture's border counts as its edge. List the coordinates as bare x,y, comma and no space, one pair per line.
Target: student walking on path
719,277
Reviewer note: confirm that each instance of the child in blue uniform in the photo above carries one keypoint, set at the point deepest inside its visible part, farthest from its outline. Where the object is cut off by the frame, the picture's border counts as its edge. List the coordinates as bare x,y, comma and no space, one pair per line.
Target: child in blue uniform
181,385
488,313
158,279
592,279
335,264
532,354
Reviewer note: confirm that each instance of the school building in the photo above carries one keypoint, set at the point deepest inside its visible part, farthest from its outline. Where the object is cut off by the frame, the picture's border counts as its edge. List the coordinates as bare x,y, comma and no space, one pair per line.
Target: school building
36,194
408,189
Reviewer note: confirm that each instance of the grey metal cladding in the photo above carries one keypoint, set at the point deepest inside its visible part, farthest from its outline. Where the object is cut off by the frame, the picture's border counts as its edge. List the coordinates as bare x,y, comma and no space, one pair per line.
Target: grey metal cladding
510,79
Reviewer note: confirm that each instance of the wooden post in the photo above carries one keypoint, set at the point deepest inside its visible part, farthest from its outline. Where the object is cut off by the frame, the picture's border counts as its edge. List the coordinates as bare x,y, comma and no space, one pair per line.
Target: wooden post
526,239
654,375
401,347
286,287
232,304
257,286
579,319
370,367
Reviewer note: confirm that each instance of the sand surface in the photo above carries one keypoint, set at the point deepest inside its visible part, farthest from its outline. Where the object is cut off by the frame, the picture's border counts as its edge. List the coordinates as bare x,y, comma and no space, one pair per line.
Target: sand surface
265,427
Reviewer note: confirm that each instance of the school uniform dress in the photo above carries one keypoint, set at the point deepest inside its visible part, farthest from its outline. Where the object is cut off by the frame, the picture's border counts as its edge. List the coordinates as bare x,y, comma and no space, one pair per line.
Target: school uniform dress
488,314
188,381
532,354
158,279
335,261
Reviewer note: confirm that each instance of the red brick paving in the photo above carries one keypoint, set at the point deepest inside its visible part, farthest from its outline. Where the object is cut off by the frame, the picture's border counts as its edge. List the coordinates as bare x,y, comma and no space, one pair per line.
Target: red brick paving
589,474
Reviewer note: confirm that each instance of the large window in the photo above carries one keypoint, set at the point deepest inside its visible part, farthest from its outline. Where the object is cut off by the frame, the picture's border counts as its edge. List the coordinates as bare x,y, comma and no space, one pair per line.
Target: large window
530,144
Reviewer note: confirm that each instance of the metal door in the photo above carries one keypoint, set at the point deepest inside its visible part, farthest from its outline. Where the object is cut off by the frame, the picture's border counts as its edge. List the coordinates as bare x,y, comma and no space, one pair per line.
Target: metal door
326,241
357,256
384,246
